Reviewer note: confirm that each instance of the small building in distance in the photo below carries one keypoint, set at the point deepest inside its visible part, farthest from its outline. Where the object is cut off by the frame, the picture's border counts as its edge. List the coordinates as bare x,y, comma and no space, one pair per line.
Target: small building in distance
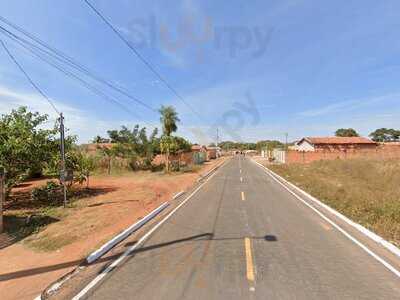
345,144
198,148
213,152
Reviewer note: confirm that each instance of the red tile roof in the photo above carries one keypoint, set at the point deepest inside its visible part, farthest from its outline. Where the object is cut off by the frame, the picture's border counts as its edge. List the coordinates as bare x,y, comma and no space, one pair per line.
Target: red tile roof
338,140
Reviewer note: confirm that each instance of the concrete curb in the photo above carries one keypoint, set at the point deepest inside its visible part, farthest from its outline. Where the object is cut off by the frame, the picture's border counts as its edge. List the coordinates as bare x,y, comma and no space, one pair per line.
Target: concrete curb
210,172
177,195
114,241
138,244
102,250
376,238
124,234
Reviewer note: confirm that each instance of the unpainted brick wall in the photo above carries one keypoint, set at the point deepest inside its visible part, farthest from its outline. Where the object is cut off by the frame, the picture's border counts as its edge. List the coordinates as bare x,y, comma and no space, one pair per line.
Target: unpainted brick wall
382,152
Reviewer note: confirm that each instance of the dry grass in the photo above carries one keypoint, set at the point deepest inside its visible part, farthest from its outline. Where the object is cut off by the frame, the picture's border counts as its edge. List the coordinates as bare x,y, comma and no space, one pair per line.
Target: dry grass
367,191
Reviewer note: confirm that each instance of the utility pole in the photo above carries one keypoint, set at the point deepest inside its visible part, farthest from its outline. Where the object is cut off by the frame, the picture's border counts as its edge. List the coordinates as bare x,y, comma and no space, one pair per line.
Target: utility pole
62,148
2,196
217,137
286,141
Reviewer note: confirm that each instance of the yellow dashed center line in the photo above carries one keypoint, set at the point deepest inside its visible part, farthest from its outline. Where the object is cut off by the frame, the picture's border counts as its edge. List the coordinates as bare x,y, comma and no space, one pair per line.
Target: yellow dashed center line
243,197
249,260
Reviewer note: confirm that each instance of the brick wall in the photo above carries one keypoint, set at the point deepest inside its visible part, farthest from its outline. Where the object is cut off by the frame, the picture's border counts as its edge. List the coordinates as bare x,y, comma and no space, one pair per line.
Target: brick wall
381,152
185,158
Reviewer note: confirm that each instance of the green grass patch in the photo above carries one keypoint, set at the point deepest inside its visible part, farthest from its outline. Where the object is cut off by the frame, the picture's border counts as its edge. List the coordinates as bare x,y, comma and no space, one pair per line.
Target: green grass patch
50,243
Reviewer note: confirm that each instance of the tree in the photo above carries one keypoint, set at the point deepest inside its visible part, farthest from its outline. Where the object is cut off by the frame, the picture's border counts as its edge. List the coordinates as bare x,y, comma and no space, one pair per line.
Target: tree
100,140
85,165
182,144
109,154
385,135
23,145
346,132
268,145
135,145
227,145
168,145
168,119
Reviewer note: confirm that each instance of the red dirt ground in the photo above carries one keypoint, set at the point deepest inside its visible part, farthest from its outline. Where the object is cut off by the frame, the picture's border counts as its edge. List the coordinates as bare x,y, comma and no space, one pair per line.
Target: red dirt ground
25,272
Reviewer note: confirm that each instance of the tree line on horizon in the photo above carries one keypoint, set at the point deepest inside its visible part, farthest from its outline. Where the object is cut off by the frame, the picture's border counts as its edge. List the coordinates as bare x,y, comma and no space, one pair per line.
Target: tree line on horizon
379,135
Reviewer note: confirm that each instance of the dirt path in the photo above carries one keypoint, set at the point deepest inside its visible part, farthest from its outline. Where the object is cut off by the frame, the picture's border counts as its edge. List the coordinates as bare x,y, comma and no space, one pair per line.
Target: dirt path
25,271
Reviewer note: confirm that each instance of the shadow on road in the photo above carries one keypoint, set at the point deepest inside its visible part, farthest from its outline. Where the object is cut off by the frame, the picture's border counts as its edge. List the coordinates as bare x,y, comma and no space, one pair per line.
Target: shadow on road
194,238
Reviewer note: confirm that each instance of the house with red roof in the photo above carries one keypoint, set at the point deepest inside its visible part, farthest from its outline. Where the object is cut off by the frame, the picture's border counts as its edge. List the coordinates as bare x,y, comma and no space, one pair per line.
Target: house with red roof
345,144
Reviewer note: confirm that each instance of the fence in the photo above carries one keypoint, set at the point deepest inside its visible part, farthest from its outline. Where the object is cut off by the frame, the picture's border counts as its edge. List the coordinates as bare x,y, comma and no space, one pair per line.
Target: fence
292,156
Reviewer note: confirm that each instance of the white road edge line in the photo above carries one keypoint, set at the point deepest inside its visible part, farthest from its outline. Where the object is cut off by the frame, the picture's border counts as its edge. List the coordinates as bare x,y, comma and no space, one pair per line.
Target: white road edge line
104,273
373,236
345,233
178,195
122,236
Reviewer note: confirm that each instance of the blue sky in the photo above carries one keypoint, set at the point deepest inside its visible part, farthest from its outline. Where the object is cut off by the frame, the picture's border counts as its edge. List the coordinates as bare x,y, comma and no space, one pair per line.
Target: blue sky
255,70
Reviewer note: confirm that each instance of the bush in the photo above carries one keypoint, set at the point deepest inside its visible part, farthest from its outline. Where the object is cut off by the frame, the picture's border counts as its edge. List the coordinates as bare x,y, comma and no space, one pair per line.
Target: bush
157,168
51,192
174,166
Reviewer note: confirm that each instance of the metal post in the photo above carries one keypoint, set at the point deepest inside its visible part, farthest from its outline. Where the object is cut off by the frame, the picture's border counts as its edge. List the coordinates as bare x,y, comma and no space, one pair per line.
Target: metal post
2,197
217,137
62,148
286,141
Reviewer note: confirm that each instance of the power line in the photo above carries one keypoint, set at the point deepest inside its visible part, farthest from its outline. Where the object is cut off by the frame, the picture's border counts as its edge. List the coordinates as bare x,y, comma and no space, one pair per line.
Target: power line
71,75
59,55
62,133
36,87
134,50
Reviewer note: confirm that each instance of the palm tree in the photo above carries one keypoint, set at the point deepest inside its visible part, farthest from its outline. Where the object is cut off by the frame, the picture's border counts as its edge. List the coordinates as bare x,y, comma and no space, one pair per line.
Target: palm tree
168,119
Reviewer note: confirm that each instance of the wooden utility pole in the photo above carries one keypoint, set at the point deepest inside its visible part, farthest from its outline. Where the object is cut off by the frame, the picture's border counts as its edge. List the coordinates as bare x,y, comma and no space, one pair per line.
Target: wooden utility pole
286,141
62,148
217,138
2,197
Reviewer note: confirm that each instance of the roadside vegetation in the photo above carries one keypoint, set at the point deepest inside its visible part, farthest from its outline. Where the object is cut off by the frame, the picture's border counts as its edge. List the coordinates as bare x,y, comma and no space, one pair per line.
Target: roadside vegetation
365,190
260,145
30,156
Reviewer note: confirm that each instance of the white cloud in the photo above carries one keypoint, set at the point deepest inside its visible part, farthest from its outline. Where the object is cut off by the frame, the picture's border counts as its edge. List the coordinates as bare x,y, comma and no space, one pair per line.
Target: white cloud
11,99
79,122
346,105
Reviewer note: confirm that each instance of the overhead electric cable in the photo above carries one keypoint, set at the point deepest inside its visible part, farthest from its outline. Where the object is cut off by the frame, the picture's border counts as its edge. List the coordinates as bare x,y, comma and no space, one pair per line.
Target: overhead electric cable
35,86
59,55
137,53
83,82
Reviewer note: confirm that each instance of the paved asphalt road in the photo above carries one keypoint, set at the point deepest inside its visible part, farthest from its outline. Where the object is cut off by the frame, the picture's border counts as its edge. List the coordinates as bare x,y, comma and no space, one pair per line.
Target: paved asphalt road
248,239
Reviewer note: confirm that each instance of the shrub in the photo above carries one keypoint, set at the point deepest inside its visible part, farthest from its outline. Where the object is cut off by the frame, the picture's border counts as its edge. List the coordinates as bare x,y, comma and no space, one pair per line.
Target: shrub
50,193
174,166
157,168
